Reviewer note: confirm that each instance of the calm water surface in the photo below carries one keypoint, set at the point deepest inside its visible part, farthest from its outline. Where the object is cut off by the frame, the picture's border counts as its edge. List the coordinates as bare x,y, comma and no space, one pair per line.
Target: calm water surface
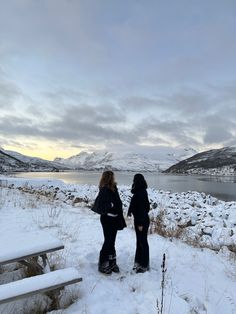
221,187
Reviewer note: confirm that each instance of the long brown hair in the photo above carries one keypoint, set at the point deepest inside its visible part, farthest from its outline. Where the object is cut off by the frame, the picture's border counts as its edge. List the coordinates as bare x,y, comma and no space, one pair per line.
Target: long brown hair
108,180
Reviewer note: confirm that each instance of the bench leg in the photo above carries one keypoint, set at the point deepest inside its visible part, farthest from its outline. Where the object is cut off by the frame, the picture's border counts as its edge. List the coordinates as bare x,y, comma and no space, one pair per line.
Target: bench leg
46,264
54,296
32,266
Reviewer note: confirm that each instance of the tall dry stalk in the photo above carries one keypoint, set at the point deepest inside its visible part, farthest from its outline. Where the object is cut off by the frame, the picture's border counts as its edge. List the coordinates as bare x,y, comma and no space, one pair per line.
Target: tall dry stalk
163,270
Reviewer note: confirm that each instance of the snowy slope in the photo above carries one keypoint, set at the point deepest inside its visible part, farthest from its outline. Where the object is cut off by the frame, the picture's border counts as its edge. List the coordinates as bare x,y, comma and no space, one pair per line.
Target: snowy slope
163,158
8,162
14,161
213,162
197,280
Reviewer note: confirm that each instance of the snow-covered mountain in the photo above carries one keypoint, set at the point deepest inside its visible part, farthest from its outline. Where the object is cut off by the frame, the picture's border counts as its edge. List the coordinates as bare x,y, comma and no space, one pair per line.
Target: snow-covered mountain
212,162
10,163
126,161
115,161
163,158
13,161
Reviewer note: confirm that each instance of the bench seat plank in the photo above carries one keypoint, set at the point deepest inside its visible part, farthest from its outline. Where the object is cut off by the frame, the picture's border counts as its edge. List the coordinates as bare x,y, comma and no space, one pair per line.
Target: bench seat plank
41,283
21,246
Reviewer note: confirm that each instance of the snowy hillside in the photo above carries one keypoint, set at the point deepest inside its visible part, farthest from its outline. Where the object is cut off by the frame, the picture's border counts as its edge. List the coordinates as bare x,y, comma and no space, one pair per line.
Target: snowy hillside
197,280
14,161
163,158
213,162
8,162
127,161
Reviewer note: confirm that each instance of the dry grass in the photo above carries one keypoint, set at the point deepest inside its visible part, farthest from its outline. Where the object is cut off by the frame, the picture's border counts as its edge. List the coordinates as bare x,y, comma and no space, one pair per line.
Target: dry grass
158,226
232,248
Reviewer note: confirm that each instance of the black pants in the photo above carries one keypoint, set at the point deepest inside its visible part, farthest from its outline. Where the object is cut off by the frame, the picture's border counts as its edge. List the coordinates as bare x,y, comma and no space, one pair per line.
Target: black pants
109,226
142,247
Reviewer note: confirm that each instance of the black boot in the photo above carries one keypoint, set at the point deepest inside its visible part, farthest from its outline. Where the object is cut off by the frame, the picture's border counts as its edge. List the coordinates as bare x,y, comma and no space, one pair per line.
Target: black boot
141,269
112,263
136,265
104,268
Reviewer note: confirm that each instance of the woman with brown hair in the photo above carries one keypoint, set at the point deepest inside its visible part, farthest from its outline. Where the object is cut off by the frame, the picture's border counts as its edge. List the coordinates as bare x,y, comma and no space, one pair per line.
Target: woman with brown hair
109,205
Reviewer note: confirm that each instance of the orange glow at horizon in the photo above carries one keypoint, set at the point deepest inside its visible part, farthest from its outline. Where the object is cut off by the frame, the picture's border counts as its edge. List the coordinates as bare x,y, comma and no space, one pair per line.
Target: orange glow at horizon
47,152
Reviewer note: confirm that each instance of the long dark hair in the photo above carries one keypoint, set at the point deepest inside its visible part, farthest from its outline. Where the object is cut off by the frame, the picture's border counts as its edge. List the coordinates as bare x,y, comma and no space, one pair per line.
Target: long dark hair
108,180
139,182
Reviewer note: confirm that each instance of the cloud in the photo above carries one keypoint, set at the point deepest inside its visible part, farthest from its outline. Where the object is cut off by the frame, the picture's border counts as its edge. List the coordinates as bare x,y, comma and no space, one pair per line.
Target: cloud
9,93
185,101
187,117
217,134
82,124
115,74
219,130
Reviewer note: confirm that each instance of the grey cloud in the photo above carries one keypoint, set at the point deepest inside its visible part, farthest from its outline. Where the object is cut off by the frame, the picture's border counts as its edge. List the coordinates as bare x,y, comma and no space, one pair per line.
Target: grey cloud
80,124
88,124
173,131
217,134
63,95
15,125
218,130
98,114
51,29
194,117
9,93
185,101
108,126
140,103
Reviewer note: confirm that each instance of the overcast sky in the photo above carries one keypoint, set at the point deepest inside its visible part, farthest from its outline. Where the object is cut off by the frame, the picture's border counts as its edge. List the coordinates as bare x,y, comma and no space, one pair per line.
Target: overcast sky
127,75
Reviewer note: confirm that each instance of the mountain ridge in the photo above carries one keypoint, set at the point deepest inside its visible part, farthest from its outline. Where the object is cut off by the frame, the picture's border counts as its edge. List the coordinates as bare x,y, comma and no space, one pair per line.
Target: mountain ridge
220,161
14,161
124,161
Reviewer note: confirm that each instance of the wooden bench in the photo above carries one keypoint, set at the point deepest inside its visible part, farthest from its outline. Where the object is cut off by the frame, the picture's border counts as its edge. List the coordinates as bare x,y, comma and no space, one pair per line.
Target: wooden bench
29,286
26,249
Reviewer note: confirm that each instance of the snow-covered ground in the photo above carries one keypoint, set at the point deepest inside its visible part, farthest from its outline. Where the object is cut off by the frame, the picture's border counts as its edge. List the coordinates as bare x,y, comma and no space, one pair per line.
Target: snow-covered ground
198,280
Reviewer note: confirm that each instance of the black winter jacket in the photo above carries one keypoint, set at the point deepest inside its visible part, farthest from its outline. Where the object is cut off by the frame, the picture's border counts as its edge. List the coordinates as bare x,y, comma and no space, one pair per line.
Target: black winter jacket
139,206
109,201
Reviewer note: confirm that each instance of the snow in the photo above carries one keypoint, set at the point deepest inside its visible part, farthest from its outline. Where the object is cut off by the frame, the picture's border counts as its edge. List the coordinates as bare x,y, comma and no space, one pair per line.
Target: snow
24,286
220,171
25,243
165,157
198,280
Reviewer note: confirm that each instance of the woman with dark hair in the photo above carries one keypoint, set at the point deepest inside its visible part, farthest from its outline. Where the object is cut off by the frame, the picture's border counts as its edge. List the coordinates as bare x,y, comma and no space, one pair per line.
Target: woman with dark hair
110,207
139,208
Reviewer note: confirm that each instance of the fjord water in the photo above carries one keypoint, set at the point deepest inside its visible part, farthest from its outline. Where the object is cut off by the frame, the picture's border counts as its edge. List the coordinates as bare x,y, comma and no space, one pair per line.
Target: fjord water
223,188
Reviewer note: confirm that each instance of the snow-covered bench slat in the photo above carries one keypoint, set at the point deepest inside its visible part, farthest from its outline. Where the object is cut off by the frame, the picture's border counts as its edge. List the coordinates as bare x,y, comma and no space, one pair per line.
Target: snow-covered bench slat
16,258
22,246
37,284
